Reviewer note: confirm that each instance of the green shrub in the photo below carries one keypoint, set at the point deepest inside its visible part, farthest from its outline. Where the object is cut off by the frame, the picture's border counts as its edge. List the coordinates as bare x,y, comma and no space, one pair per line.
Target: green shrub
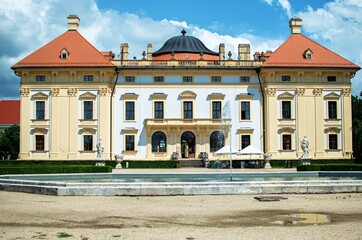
53,162
150,164
330,167
46,169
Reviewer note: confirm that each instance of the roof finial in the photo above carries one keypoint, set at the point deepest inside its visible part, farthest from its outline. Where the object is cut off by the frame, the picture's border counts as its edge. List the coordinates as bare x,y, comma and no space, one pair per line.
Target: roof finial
183,32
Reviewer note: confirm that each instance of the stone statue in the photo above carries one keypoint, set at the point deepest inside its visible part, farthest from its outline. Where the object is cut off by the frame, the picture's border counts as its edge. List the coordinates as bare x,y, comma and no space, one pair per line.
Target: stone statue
305,147
267,158
100,149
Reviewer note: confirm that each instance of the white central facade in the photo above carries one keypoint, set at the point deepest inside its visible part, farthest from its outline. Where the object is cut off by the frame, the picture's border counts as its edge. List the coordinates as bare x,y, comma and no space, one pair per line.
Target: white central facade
185,107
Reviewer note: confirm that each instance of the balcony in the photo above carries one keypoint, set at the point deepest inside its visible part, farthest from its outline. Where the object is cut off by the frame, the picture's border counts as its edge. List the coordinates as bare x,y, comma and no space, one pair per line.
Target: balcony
177,122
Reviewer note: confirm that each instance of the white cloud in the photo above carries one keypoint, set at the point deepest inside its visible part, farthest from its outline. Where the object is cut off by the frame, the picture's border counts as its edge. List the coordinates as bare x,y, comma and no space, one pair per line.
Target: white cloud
285,4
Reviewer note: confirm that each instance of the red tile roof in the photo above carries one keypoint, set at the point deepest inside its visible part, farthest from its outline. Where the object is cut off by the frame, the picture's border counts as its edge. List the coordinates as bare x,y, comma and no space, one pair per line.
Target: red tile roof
9,111
291,54
81,53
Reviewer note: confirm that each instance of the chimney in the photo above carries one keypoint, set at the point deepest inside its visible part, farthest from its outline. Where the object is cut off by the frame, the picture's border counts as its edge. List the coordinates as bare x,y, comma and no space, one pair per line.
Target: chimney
149,51
222,51
73,22
124,51
295,25
244,51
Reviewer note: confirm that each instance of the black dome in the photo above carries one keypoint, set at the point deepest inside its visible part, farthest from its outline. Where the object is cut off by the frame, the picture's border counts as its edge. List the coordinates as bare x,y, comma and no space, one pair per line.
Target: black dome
185,44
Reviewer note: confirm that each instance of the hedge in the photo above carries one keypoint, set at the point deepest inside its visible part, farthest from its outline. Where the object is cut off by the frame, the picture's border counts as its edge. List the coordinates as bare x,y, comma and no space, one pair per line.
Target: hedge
330,167
53,162
31,169
151,164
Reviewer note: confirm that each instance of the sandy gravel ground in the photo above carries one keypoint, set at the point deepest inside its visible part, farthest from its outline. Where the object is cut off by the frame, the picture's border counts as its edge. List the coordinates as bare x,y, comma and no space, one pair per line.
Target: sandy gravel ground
29,216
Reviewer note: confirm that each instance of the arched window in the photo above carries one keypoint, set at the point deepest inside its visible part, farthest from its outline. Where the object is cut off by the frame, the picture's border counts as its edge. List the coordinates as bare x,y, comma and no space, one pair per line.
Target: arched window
217,141
159,142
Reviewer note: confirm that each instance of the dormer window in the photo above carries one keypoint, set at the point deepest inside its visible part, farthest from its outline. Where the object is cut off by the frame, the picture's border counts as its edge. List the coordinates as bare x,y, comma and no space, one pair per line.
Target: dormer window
308,54
64,54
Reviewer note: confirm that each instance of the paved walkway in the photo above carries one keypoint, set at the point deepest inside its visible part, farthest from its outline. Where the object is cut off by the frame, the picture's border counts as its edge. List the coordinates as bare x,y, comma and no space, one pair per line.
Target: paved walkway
203,170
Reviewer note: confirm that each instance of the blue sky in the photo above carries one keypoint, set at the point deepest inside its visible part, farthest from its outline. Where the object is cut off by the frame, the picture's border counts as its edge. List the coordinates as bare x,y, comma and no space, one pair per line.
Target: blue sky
336,24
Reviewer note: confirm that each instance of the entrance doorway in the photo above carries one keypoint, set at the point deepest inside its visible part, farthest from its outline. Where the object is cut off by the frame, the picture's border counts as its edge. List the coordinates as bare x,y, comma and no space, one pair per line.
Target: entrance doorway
188,145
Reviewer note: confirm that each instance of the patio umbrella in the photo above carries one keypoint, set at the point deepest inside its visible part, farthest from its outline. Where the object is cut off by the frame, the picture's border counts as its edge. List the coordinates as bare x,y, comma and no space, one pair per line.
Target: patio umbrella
226,150
250,150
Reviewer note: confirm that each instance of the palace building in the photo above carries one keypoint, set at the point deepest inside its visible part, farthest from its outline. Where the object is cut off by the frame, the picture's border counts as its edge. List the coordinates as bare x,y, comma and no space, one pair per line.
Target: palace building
184,99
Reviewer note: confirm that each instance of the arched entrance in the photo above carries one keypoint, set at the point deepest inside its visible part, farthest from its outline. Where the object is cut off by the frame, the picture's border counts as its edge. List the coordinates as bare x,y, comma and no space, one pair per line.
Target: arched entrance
188,145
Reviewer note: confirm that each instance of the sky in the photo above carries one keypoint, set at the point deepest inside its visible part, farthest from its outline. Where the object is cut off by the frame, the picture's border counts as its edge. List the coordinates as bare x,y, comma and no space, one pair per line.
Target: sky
27,25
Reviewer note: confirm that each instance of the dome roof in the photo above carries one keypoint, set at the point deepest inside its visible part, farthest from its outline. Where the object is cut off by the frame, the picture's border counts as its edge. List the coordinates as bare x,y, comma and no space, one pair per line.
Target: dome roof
184,44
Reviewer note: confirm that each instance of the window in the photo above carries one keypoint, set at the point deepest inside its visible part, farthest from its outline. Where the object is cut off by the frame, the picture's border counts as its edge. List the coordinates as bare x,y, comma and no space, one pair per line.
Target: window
158,79
40,110
244,79
88,143
187,79
287,142
308,54
130,111
332,141
286,78
332,109
217,141
88,78
216,79
40,78
158,110
286,110
64,54
187,109
130,79
129,142
216,110
39,143
245,110
245,141
159,142
331,79
88,110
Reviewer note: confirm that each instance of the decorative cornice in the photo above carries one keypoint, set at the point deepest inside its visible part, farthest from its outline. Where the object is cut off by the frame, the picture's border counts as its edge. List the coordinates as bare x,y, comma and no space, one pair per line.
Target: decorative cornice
54,92
72,92
346,91
300,91
104,91
317,91
24,92
270,91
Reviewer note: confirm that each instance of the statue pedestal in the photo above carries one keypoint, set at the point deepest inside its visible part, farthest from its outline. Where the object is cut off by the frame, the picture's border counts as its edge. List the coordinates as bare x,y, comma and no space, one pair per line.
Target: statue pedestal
305,160
100,162
267,165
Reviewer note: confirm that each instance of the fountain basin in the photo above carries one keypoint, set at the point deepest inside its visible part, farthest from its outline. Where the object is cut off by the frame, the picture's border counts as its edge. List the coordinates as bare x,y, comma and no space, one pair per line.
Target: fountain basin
150,184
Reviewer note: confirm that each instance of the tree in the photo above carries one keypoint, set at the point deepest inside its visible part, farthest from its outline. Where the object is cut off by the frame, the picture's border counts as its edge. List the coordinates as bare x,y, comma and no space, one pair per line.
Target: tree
10,142
357,127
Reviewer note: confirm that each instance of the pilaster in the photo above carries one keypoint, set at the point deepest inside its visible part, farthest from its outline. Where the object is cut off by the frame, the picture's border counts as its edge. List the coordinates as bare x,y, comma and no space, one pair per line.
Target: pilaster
73,124
24,123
